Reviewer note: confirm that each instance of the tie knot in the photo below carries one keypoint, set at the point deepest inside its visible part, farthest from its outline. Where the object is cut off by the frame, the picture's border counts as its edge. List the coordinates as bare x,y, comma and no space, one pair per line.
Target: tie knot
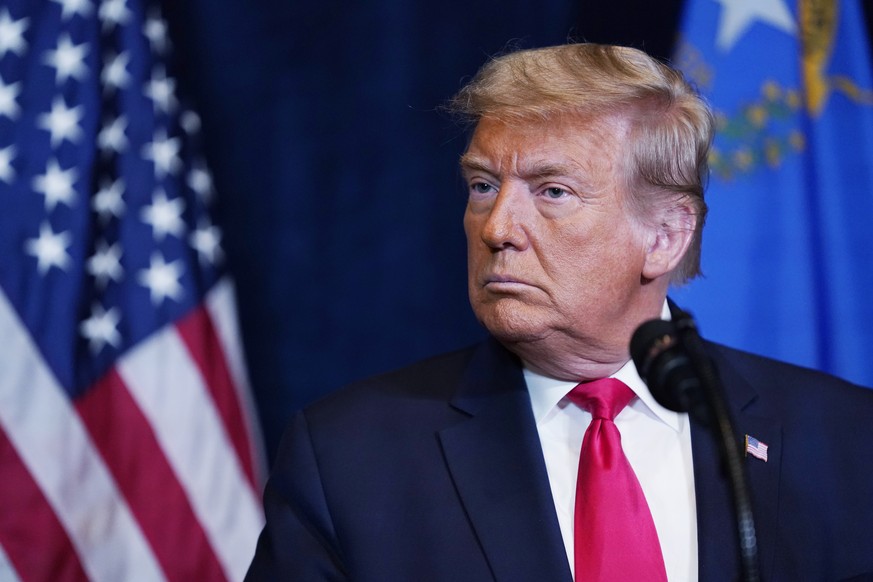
603,398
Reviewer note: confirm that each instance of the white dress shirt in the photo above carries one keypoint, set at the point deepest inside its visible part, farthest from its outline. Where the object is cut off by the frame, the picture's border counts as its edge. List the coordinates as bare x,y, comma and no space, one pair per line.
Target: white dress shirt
657,443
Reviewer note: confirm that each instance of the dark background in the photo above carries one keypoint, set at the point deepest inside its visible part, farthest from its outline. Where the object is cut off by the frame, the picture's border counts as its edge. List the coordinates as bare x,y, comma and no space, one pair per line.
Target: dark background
337,181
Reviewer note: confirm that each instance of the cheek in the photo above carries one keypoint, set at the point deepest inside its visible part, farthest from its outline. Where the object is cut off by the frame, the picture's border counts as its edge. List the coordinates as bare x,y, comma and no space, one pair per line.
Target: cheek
473,225
476,251
607,259
471,230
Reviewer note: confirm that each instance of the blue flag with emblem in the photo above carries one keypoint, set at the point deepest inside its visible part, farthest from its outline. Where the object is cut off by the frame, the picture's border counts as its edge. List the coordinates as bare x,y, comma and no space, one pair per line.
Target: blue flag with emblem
788,248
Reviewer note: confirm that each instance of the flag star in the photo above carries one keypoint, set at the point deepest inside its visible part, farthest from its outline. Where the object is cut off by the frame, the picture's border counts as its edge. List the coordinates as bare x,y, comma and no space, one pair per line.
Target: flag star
68,59
114,75
73,7
56,185
62,122
12,34
50,249
162,279
114,13
200,180
101,328
7,172
164,152
190,122
8,99
155,29
738,15
108,202
105,264
206,240
161,90
112,137
164,216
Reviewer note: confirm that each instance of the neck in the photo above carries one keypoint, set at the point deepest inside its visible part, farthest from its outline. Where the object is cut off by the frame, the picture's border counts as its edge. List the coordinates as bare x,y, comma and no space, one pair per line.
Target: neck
571,367
566,355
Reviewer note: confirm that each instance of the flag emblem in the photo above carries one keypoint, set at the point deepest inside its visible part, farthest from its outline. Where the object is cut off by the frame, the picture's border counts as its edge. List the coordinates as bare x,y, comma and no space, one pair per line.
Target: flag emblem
756,448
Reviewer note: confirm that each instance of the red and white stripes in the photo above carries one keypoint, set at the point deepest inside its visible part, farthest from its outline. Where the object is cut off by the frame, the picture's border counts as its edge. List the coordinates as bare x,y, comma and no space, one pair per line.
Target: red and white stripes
152,474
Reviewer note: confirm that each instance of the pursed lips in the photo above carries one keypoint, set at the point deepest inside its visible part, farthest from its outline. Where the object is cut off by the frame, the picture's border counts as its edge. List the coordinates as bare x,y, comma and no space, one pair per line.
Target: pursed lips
503,282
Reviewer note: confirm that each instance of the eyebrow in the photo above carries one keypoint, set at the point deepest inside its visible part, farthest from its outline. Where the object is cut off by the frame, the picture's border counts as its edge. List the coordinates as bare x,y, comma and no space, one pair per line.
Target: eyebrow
472,163
541,169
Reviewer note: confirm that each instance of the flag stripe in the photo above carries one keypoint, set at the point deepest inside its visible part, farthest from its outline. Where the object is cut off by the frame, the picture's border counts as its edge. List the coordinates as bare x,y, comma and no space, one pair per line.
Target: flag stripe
53,444
29,521
221,304
127,443
199,336
7,572
188,427
134,454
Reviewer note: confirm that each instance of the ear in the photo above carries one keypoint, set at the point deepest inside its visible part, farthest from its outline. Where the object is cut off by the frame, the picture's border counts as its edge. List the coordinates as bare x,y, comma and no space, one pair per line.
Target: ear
669,239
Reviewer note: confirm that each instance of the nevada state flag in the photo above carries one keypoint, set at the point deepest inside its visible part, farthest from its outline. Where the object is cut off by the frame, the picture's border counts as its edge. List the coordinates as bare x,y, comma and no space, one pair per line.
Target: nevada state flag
788,247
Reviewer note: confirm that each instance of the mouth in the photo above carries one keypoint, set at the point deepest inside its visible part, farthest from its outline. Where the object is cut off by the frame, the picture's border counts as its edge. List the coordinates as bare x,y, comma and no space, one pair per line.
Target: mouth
503,283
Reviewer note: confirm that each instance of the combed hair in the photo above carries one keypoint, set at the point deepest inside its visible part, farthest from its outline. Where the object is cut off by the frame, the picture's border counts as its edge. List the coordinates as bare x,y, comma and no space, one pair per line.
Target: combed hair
670,126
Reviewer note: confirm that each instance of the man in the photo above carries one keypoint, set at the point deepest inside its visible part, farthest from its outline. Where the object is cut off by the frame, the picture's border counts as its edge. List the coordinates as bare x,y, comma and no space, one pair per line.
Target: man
585,173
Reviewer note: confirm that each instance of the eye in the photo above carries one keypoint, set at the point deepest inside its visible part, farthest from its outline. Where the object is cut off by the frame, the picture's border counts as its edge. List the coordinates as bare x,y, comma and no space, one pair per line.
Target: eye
481,188
555,192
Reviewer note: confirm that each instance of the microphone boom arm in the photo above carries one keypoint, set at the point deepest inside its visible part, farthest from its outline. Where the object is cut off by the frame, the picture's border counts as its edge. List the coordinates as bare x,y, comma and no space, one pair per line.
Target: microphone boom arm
671,358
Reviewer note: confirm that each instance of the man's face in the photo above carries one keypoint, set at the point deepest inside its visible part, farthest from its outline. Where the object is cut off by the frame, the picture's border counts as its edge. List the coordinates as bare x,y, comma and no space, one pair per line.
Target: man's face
555,258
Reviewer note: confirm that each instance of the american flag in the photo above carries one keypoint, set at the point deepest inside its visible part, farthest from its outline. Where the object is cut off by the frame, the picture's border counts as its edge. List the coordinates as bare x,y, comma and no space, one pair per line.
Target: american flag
756,448
127,448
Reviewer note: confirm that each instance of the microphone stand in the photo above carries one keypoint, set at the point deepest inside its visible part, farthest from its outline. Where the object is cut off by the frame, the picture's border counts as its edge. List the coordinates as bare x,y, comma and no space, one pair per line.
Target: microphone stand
688,335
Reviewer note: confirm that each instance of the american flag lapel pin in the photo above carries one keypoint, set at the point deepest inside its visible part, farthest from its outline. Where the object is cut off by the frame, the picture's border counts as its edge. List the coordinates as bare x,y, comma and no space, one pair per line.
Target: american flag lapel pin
756,448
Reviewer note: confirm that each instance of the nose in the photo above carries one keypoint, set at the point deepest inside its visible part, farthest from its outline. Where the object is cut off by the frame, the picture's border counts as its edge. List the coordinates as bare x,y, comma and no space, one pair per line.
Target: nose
504,226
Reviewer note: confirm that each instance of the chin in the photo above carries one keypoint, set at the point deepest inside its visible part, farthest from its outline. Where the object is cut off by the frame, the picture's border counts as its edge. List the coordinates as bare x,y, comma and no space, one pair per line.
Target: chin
511,321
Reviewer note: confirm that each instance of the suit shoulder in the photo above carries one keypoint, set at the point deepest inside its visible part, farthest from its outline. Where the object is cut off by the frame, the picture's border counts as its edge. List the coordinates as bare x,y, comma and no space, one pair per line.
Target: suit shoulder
433,379
795,383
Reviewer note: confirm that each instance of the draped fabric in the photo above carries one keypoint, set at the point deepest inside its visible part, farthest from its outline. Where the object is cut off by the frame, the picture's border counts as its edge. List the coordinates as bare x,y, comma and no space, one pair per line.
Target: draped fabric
129,445
788,251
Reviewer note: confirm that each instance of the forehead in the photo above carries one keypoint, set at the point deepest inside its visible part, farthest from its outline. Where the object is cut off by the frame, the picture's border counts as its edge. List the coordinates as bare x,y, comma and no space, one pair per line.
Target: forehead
561,144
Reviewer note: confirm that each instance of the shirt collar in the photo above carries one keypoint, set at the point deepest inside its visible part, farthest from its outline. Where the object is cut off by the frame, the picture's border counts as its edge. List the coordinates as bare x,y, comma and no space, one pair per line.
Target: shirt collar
546,394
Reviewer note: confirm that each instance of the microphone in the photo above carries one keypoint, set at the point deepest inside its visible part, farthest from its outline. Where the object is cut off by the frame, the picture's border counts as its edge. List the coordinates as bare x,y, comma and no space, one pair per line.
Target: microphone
671,359
665,366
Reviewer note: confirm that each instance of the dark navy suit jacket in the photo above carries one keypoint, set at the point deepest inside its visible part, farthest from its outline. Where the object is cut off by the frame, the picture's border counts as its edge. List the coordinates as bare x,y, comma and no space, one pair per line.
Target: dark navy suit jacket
435,472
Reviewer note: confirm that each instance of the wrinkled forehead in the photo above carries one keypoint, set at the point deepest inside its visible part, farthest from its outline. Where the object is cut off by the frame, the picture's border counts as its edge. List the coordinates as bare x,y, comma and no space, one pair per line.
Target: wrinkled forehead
556,144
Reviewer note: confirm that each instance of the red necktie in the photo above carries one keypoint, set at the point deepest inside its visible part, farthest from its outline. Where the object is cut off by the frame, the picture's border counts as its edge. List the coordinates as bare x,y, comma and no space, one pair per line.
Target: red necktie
614,534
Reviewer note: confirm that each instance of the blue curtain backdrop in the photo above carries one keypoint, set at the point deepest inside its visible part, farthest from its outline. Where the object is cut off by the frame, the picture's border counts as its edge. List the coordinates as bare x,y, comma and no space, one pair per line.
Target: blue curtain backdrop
336,178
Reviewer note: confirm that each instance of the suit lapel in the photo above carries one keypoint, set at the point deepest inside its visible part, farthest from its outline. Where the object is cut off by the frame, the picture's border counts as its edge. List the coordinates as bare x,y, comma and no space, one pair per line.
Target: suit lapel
716,529
496,463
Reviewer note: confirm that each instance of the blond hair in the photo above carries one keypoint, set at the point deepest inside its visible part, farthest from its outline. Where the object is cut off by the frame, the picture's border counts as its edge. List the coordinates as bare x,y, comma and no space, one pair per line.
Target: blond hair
670,127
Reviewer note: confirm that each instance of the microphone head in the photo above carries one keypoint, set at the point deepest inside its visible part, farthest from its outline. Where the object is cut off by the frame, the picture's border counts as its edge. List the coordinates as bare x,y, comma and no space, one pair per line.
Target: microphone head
649,341
663,365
